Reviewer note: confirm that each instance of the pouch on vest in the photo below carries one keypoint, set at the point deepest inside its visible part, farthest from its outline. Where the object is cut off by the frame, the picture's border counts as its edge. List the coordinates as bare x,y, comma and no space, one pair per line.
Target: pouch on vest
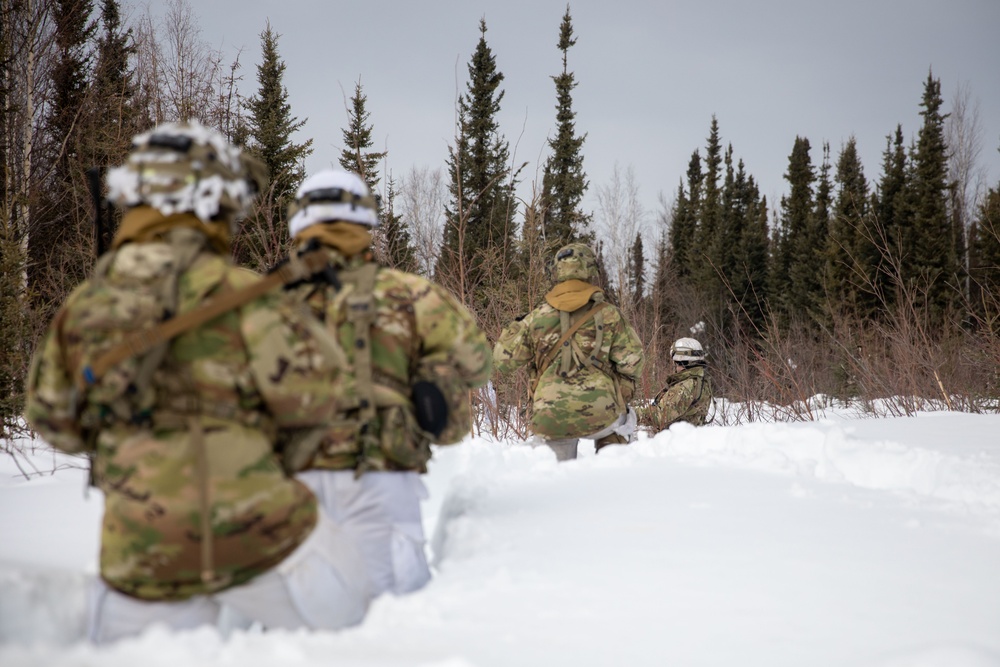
139,293
444,408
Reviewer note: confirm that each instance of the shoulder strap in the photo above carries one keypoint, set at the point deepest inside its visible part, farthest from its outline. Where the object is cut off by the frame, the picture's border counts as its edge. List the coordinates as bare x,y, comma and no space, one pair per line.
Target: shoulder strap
361,313
564,340
298,268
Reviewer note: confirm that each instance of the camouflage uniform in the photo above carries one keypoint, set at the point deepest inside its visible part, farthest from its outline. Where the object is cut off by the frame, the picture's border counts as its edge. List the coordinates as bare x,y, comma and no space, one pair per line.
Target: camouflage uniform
366,469
687,397
196,501
585,390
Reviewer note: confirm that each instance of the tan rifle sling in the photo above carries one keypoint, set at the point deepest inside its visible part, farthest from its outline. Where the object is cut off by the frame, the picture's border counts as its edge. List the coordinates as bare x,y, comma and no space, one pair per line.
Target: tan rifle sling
299,267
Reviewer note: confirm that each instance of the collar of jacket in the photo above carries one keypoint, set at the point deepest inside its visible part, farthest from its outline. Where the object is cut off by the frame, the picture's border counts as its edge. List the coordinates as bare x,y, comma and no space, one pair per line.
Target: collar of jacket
143,224
346,237
571,295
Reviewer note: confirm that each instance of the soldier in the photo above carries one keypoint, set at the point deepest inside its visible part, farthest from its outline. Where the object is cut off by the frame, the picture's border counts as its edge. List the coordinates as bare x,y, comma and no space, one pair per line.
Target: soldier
415,353
183,434
583,359
688,394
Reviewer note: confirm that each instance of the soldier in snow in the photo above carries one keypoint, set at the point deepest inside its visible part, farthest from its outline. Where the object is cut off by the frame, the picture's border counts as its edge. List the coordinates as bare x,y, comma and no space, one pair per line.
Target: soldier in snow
415,354
688,394
582,356
183,427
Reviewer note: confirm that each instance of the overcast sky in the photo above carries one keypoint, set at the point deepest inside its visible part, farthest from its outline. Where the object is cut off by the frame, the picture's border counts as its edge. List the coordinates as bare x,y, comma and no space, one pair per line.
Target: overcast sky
650,76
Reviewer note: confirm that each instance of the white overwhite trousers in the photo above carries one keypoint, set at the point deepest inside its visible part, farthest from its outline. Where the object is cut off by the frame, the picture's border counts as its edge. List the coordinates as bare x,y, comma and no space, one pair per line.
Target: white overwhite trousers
380,511
322,585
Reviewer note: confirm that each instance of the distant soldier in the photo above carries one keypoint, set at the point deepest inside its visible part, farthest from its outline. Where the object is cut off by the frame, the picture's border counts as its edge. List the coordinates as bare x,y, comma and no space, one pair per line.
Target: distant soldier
183,426
415,353
688,394
582,356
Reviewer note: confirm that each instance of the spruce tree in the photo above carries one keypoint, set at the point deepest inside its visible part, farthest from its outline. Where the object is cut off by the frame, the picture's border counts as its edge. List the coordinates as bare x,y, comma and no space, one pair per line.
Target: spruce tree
564,182
890,230
984,261
795,276
357,155
747,264
637,273
684,227
480,232
851,262
706,259
936,241
272,124
396,246
61,237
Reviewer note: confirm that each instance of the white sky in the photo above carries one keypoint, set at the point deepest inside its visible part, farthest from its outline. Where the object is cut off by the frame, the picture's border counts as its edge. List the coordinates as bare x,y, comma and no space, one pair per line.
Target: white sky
861,542
650,75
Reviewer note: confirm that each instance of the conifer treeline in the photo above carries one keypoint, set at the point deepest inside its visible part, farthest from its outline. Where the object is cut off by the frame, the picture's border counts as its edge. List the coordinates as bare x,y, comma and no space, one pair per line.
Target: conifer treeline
833,291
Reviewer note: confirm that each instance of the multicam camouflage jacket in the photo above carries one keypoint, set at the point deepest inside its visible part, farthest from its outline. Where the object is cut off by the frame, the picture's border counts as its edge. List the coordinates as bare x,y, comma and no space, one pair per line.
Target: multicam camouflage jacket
417,331
585,388
687,397
195,497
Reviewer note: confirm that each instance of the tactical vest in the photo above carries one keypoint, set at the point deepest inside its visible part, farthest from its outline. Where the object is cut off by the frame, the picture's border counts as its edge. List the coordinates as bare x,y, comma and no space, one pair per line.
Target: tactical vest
384,422
569,359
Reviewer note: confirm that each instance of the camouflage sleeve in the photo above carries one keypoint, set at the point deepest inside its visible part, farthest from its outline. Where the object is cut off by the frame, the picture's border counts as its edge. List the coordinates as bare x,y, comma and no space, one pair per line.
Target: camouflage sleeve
295,363
513,348
50,408
675,403
627,354
449,335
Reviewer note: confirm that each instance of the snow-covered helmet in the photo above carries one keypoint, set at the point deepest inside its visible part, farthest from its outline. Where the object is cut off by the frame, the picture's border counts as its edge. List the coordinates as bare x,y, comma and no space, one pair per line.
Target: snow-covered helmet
187,168
686,351
331,195
576,261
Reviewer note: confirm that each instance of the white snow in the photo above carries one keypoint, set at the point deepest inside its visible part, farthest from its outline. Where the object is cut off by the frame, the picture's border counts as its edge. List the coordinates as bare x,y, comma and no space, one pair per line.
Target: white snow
861,542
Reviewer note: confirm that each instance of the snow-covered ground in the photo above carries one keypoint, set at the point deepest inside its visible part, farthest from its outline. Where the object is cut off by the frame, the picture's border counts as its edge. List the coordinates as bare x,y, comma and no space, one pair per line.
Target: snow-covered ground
839,542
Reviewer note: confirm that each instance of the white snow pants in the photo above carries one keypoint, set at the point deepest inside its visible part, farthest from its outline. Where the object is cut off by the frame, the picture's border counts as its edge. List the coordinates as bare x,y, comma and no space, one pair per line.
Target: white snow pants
321,585
380,511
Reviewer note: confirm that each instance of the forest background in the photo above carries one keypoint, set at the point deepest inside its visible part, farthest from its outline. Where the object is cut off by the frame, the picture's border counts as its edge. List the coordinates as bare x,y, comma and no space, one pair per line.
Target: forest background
878,289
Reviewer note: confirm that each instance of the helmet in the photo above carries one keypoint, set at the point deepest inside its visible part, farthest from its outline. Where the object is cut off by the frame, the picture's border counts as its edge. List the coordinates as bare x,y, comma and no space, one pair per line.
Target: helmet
329,196
187,168
576,261
686,350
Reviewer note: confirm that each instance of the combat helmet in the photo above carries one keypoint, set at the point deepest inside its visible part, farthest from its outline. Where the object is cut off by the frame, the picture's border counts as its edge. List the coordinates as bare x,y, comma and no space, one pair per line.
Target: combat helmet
186,167
687,352
332,195
576,261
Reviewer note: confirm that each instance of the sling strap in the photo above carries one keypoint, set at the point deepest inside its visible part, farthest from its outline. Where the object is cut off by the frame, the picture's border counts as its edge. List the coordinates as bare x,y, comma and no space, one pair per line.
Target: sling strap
564,341
298,268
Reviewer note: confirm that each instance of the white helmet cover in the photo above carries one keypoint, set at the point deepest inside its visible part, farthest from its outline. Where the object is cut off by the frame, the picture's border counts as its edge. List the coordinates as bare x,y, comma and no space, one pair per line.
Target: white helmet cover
687,349
329,196
183,167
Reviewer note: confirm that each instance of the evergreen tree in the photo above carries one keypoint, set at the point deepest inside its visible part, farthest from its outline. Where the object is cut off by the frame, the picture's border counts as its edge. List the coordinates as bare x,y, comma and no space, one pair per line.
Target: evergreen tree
985,261
272,125
747,260
851,262
891,229
936,240
795,267
637,273
116,117
564,181
706,262
479,218
396,244
61,237
357,155
685,221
